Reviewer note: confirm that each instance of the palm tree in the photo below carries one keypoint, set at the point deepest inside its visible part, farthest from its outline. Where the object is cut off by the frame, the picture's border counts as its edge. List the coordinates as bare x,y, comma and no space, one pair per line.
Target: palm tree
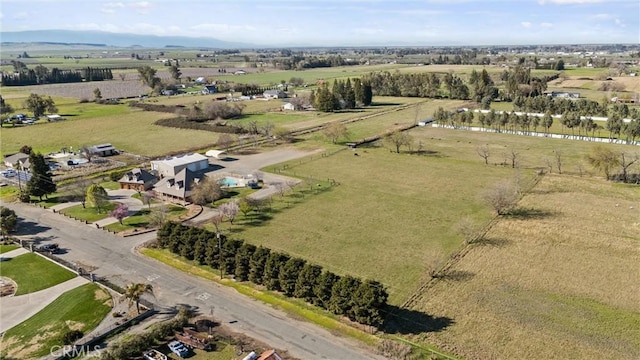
134,291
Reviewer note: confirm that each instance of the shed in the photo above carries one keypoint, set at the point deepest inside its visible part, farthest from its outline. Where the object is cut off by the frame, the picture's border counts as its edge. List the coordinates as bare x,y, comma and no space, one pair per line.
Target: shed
103,150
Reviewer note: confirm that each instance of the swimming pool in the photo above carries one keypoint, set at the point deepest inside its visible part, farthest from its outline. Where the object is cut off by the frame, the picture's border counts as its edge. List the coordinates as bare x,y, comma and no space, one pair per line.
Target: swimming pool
228,181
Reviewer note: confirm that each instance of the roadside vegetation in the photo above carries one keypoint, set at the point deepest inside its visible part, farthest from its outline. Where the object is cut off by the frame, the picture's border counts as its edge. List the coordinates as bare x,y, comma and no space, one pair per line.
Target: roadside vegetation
79,310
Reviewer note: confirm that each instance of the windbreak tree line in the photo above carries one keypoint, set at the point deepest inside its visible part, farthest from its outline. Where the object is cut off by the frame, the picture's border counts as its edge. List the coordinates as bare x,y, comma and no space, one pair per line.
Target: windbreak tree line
360,300
42,75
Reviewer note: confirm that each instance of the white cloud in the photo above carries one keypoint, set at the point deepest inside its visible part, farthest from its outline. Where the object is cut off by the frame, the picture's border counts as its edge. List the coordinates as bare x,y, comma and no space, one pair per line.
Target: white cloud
141,7
526,24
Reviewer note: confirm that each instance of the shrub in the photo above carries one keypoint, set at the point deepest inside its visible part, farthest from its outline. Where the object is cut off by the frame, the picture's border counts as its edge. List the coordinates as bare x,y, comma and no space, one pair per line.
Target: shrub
70,336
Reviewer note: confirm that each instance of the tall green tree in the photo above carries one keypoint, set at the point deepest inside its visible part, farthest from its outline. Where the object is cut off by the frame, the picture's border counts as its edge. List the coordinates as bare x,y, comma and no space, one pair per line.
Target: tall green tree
257,264
175,72
322,291
38,105
307,281
8,221
97,197
243,258
148,76
369,303
289,275
342,295
5,108
41,182
272,268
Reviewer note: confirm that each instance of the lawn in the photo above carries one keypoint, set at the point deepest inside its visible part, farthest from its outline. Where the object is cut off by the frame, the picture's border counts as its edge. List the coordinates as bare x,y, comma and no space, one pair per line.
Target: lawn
9,193
79,309
32,273
561,282
89,214
142,219
7,248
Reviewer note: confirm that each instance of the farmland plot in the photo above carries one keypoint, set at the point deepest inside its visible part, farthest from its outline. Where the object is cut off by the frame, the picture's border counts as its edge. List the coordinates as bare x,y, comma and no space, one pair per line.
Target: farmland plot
560,280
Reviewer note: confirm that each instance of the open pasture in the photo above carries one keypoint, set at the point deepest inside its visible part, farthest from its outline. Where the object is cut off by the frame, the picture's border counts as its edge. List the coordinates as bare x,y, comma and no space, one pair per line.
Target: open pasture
393,215
560,280
133,131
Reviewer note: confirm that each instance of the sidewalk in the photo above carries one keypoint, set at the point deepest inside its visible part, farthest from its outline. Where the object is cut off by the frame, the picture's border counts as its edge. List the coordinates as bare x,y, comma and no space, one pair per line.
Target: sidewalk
14,253
16,309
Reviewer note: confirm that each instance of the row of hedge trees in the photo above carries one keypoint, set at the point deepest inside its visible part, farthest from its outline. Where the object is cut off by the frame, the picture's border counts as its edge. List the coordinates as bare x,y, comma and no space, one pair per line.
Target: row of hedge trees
361,301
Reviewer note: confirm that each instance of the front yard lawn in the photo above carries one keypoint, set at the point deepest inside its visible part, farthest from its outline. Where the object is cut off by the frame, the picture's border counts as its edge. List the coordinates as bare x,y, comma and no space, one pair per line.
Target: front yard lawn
88,214
142,219
32,273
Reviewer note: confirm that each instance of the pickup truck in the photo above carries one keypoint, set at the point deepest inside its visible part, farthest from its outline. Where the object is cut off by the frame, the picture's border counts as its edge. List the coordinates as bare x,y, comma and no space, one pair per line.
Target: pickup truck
178,348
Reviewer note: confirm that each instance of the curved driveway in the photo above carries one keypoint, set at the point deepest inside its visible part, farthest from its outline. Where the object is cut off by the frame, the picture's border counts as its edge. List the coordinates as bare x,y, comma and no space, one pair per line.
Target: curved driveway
116,260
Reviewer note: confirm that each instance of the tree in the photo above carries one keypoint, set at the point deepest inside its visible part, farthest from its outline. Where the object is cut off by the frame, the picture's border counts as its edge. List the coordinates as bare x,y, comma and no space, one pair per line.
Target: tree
41,182
38,105
257,264
8,221
148,76
342,295
335,131
158,215
87,152
120,212
243,260
614,125
244,205
229,210
175,72
134,292
272,269
288,275
397,139
5,108
206,191
26,149
626,160
559,160
307,281
225,141
484,153
501,197
97,95
97,197
322,291
369,303
559,65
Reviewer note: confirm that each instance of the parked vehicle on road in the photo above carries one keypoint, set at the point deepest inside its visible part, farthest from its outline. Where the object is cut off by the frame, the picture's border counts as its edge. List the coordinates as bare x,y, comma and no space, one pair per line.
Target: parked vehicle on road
154,355
50,248
8,173
178,348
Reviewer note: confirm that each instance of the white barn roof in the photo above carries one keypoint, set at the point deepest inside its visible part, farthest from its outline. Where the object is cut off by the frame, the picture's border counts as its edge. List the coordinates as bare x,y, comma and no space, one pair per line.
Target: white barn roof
215,153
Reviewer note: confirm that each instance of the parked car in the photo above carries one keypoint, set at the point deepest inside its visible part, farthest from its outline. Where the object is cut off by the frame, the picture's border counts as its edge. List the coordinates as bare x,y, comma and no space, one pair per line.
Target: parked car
178,348
154,355
9,173
50,248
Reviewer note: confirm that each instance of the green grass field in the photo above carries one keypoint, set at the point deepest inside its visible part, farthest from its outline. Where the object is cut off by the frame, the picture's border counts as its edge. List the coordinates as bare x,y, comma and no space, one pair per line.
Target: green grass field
7,248
88,214
79,309
142,219
32,273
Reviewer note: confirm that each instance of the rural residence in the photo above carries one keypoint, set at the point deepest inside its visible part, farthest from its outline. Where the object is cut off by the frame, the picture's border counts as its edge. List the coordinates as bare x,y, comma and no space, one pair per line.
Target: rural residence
172,166
288,106
137,179
16,161
274,94
177,188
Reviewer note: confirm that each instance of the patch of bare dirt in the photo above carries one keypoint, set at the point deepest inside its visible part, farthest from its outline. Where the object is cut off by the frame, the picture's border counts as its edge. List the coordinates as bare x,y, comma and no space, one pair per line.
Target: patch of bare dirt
8,287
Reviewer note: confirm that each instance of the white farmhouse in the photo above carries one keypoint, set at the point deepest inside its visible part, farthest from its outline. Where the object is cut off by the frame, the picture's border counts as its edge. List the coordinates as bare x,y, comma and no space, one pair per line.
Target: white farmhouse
172,166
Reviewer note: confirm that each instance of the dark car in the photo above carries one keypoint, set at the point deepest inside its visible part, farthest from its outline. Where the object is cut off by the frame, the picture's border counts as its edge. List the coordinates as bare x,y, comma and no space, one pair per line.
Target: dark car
50,248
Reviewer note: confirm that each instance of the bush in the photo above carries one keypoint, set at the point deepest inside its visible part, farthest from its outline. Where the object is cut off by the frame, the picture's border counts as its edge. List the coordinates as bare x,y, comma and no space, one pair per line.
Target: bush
71,336
24,197
117,175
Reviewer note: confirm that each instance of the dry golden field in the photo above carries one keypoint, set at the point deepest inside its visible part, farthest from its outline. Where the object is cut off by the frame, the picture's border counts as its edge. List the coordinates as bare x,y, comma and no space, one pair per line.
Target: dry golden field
561,281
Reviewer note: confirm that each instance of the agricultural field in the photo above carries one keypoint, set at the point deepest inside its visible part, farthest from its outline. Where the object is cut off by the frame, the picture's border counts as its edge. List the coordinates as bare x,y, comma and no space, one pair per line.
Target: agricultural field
558,281
394,201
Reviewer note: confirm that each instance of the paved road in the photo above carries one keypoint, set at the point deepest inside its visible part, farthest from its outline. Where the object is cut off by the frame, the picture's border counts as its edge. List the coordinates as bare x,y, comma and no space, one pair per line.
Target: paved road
116,260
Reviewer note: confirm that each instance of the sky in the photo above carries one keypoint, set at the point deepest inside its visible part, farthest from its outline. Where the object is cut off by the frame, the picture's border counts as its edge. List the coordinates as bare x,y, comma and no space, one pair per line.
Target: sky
342,22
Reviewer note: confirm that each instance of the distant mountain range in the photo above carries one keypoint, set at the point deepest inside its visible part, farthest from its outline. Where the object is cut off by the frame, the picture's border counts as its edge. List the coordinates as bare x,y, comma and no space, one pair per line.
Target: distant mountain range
102,38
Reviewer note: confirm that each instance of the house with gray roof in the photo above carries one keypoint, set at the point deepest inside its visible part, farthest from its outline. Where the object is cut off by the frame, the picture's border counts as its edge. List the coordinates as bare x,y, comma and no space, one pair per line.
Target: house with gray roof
177,188
16,161
172,166
137,179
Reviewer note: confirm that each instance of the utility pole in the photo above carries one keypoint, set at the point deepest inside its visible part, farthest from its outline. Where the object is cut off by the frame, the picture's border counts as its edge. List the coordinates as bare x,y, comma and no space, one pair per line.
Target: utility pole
219,253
